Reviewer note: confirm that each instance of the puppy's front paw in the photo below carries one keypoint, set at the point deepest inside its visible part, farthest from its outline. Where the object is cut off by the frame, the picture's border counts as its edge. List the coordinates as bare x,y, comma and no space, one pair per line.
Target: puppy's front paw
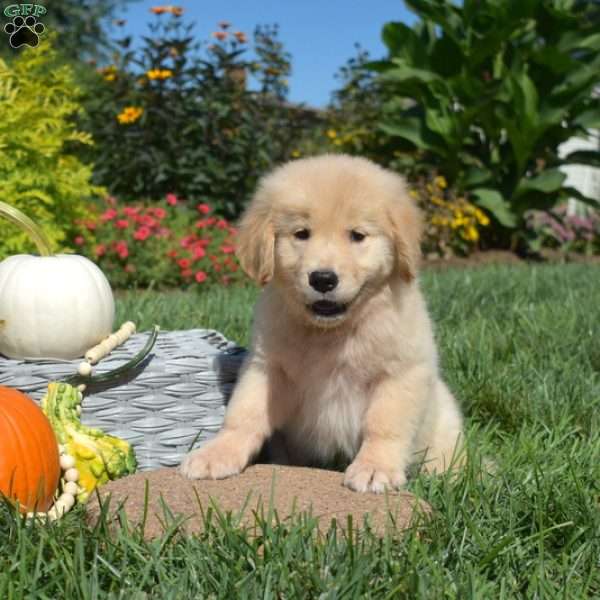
218,459
362,476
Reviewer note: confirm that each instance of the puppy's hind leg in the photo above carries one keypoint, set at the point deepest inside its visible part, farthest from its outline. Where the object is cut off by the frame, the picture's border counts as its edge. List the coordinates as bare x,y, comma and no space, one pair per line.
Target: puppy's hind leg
443,439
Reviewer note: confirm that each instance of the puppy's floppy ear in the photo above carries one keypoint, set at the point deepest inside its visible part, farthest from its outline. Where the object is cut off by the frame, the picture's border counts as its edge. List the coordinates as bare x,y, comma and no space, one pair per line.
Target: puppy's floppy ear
406,226
255,240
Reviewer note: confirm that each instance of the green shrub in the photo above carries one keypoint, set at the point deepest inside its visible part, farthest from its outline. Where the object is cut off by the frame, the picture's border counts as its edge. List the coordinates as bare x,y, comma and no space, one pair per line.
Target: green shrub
176,116
165,244
486,91
39,172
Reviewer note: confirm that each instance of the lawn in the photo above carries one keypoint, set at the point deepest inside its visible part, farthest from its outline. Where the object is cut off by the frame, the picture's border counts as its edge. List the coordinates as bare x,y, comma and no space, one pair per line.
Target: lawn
520,346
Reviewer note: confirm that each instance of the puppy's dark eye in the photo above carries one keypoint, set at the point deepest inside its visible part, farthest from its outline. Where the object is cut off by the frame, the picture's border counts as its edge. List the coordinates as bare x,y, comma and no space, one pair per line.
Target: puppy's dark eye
302,234
357,236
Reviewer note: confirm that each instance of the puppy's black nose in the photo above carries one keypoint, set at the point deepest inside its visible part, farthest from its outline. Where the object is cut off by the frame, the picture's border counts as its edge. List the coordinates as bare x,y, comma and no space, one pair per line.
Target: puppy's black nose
323,281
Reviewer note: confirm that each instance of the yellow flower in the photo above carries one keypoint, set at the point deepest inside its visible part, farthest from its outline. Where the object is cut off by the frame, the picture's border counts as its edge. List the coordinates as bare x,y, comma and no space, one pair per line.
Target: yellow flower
331,134
109,73
130,114
296,153
440,182
414,194
159,73
470,233
481,217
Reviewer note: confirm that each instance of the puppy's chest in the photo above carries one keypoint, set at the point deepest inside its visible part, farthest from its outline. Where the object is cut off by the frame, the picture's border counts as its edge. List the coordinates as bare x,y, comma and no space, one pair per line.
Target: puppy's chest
331,394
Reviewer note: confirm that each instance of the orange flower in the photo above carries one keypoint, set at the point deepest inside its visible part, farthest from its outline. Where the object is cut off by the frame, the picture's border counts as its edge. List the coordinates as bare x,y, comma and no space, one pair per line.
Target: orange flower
159,74
220,35
176,11
130,114
240,37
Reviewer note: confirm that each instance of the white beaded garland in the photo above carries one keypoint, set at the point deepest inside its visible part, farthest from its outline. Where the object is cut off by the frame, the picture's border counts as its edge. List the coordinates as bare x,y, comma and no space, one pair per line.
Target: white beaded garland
70,489
84,369
66,462
71,474
66,500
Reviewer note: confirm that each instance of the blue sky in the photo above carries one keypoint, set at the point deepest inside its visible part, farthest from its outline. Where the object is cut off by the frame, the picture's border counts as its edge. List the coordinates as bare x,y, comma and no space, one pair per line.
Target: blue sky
319,34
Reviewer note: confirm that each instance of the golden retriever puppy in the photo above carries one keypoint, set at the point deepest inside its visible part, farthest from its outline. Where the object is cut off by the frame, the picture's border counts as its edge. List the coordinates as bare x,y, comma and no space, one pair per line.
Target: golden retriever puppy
343,361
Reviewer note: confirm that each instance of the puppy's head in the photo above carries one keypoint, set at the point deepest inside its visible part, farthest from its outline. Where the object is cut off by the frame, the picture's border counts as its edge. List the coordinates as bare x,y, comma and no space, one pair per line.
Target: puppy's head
330,231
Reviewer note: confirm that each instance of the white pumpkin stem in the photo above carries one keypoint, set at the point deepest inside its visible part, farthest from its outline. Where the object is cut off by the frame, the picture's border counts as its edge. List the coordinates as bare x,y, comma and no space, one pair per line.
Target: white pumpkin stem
26,224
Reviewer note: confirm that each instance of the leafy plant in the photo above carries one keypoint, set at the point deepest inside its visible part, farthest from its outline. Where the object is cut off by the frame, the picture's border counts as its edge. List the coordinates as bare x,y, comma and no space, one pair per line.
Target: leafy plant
177,116
40,173
486,91
167,244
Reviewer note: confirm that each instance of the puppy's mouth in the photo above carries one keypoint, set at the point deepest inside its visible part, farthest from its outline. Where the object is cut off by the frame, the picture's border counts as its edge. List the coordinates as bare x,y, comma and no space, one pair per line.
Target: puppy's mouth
327,308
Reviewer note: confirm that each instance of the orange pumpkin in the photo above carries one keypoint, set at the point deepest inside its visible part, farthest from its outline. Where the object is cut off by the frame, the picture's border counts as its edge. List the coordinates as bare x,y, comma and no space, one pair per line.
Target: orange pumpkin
29,462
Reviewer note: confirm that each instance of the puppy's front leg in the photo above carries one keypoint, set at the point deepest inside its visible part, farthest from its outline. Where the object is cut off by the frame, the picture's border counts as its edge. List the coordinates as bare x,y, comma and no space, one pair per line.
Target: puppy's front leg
389,428
250,419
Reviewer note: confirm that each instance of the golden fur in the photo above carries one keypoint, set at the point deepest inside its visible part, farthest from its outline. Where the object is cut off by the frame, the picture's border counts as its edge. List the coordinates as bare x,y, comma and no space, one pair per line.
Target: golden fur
362,383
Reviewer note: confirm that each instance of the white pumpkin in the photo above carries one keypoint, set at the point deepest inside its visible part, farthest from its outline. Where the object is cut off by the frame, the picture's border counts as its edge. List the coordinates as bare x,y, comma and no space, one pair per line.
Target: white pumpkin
53,306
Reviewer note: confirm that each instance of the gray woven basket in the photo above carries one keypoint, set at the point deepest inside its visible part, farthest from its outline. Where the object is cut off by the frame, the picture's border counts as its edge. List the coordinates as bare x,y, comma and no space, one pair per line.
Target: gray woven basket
172,402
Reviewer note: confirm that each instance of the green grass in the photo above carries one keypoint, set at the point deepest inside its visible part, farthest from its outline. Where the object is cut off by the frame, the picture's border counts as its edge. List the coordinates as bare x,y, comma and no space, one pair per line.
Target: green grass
520,346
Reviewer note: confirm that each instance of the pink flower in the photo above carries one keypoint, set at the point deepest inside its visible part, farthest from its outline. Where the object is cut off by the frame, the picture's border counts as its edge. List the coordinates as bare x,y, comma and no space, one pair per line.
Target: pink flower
131,211
227,249
221,223
198,252
187,241
160,213
122,224
142,233
184,263
171,199
148,220
79,240
186,273
108,215
172,253
200,276
122,250
100,250
203,208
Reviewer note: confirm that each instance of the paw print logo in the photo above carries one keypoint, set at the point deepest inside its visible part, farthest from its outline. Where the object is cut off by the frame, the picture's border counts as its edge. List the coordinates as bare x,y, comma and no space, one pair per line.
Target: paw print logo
24,31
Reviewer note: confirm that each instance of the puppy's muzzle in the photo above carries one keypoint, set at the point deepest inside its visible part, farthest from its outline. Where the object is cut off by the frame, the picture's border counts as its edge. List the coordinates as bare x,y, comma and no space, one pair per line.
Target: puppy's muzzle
323,281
